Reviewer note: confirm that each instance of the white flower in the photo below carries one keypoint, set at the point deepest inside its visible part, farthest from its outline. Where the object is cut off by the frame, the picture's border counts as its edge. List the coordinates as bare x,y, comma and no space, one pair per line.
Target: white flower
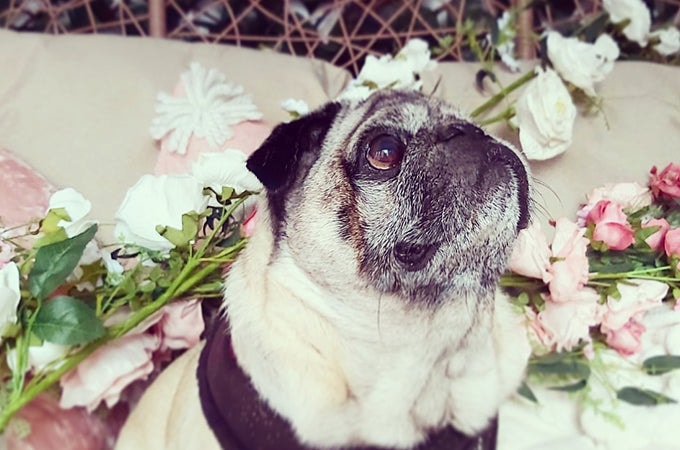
207,109
398,72
580,63
114,269
669,41
635,11
295,106
157,200
545,116
10,294
76,206
227,168
506,42
39,356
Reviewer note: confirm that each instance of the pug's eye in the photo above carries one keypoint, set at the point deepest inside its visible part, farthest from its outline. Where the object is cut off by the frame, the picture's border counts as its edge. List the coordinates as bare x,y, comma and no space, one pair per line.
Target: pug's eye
385,152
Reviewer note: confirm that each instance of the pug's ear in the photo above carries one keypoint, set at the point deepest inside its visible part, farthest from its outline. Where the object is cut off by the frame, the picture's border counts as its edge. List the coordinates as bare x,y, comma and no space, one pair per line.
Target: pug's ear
291,148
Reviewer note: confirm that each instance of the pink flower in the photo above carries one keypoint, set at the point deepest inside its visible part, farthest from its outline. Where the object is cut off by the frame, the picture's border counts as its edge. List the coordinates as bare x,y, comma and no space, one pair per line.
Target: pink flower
611,225
622,316
53,427
672,242
627,339
531,254
656,240
562,325
105,373
666,183
181,324
568,274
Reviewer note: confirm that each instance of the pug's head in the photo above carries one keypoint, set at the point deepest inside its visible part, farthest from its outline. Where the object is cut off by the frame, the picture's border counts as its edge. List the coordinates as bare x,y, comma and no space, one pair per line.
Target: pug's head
397,193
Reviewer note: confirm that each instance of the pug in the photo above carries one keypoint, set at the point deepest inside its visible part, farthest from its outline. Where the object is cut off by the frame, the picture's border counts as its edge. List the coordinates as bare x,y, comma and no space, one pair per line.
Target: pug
365,310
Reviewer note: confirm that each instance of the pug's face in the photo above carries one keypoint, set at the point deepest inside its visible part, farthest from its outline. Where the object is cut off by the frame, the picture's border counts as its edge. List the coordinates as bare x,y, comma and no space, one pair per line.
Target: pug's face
397,194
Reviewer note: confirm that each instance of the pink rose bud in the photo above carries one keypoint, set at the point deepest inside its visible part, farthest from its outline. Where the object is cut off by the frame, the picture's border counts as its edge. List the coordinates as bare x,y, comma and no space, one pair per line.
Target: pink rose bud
667,182
611,225
626,340
656,240
672,242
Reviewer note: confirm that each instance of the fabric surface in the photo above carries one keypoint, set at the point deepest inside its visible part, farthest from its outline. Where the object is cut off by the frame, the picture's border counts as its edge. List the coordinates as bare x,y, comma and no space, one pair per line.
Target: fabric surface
241,420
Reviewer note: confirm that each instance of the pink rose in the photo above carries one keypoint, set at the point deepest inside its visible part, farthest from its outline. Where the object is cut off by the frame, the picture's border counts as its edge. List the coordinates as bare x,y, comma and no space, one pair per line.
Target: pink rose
181,324
656,240
672,242
627,339
105,373
562,325
611,225
666,183
621,321
568,274
53,427
531,255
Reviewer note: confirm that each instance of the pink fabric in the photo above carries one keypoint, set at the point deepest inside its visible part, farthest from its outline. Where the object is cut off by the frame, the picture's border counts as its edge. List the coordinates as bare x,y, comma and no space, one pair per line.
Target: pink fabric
247,137
24,193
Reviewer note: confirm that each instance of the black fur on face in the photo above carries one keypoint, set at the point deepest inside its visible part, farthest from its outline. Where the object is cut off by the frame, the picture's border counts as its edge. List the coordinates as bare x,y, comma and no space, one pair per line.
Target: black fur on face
286,156
428,202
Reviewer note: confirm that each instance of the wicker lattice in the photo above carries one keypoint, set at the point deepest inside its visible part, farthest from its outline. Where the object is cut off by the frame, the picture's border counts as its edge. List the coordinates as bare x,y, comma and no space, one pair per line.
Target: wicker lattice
340,31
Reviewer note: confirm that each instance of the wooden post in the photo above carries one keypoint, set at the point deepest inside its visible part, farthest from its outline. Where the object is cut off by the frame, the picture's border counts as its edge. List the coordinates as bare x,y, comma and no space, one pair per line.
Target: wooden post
157,23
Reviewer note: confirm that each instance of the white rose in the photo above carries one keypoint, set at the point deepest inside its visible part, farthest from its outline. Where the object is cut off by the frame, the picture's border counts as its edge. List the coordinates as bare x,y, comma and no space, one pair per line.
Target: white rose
545,116
10,294
228,168
669,41
580,63
154,201
39,356
397,72
417,53
76,206
635,11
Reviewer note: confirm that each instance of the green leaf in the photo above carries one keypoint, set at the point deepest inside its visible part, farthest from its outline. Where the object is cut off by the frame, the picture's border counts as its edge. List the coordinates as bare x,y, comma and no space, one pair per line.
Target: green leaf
658,365
526,392
181,238
67,321
55,262
571,387
642,397
564,365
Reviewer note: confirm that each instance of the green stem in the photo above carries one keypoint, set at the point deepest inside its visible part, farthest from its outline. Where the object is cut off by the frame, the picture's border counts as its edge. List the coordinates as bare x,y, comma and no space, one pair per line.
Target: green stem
496,99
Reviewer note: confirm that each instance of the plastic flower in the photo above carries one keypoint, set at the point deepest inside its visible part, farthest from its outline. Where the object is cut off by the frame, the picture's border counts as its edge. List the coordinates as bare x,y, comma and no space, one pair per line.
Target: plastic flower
398,72
205,107
667,182
580,63
611,225
622,319
157,201
669,41
76,206
106,372
636,12
545,116
227,168
39,356
10,294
